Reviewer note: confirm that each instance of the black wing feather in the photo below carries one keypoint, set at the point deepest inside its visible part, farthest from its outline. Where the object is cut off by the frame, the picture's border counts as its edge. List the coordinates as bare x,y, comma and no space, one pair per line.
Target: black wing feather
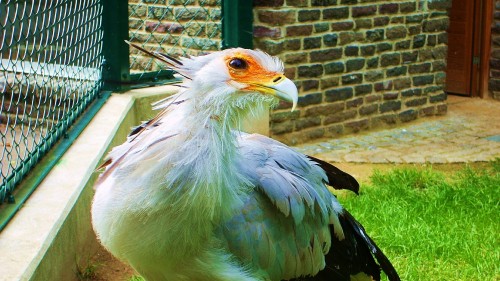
337,178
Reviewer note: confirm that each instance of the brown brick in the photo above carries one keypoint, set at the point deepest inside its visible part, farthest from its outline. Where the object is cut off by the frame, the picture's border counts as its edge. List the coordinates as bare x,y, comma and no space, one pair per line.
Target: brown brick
310,99
347,37
380,21
364,11
408,7
309,15
390,59
310,85
396,71
336,13
268,3
312,43
321,27
427,111
334,67
352,78
398,19
390,106
277,17
442,109
185,14
368,109
299,30
323,2
271,47
416,102
363,23
355,64
330,40
351,51
284,116
282,127
344,25
420,68
354,103
402,83
375,35
372,98
339,94
293,44
325,55
290,72
358,125
340,116
436,25
264,31
329,82
307,122
396,32
390,8
334,130
439,4
314,70
361,90
408,115
295,58
368,50
171,28
296,3
315,133
325,109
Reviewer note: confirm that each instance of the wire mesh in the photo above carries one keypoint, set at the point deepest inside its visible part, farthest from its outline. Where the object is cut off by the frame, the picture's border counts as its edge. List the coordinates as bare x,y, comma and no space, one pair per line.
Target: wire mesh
175,27
50,71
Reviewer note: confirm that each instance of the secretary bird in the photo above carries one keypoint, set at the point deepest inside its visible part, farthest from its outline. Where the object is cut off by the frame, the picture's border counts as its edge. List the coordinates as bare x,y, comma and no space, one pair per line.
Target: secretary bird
190,197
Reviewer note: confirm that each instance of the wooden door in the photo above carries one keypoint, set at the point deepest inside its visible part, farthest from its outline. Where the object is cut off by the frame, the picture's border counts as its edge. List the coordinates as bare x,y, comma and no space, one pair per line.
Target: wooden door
460,61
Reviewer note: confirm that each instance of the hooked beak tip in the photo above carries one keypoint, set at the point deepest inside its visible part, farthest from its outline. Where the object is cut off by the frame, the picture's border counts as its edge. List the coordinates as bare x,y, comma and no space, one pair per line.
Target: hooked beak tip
286,90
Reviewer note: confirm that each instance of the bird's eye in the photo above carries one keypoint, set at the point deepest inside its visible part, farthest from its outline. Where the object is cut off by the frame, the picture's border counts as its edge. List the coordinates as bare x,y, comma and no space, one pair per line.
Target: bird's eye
238,64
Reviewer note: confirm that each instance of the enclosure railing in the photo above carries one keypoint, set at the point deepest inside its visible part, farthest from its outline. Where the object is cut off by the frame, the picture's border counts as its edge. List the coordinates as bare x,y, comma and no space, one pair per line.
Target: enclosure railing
59,57
50,70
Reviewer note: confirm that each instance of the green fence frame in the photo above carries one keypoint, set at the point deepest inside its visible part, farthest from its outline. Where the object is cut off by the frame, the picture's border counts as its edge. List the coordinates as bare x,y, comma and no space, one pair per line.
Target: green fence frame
237,31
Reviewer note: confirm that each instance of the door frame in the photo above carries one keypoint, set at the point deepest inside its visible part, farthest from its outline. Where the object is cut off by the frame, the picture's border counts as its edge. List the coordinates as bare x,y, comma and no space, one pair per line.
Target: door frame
482,34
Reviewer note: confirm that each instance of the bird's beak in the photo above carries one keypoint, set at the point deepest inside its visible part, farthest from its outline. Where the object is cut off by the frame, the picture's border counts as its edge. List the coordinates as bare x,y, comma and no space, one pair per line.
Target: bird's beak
280,87
286,90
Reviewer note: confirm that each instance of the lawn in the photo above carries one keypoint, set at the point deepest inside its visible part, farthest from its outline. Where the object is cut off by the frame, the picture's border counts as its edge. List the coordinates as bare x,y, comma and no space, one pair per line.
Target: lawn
434,226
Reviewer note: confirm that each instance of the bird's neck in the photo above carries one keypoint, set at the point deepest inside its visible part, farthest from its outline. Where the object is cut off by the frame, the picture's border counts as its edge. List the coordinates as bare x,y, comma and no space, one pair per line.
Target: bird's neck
206,173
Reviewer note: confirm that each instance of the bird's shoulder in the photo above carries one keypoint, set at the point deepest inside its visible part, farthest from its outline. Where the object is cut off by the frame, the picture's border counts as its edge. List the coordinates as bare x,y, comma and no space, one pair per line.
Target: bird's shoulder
282,227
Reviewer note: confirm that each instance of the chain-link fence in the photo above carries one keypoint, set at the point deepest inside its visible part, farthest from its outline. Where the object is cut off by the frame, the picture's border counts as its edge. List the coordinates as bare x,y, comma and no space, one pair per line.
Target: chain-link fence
50,70
175,27
58,55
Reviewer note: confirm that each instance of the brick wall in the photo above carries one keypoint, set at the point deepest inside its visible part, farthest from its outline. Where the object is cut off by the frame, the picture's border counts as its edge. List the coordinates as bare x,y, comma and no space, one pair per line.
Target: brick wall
176,27
494,83
358,64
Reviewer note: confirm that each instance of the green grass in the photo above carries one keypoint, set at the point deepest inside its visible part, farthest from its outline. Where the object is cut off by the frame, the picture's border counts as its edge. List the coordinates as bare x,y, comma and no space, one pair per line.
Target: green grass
434,226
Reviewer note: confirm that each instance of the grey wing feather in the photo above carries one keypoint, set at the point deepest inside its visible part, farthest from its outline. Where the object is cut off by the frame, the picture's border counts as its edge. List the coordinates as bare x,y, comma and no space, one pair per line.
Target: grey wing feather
283,226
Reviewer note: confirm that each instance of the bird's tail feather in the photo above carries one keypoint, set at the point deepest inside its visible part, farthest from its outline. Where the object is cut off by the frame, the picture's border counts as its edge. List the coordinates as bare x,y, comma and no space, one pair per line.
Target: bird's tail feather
353,257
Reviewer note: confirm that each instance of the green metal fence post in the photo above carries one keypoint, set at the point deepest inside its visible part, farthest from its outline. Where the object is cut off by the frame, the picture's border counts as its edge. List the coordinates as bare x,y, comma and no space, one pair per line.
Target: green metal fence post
116,70
237,24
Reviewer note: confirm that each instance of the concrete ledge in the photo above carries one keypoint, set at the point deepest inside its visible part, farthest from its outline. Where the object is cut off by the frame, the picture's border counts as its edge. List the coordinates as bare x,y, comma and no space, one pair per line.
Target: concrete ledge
51,236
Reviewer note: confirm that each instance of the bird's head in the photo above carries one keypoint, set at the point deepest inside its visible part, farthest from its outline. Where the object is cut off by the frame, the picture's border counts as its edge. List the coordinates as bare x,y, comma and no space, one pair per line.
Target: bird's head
241,78
233,81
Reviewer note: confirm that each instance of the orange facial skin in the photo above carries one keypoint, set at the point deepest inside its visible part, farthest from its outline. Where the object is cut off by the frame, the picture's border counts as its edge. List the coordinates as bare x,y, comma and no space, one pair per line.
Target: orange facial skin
254,75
